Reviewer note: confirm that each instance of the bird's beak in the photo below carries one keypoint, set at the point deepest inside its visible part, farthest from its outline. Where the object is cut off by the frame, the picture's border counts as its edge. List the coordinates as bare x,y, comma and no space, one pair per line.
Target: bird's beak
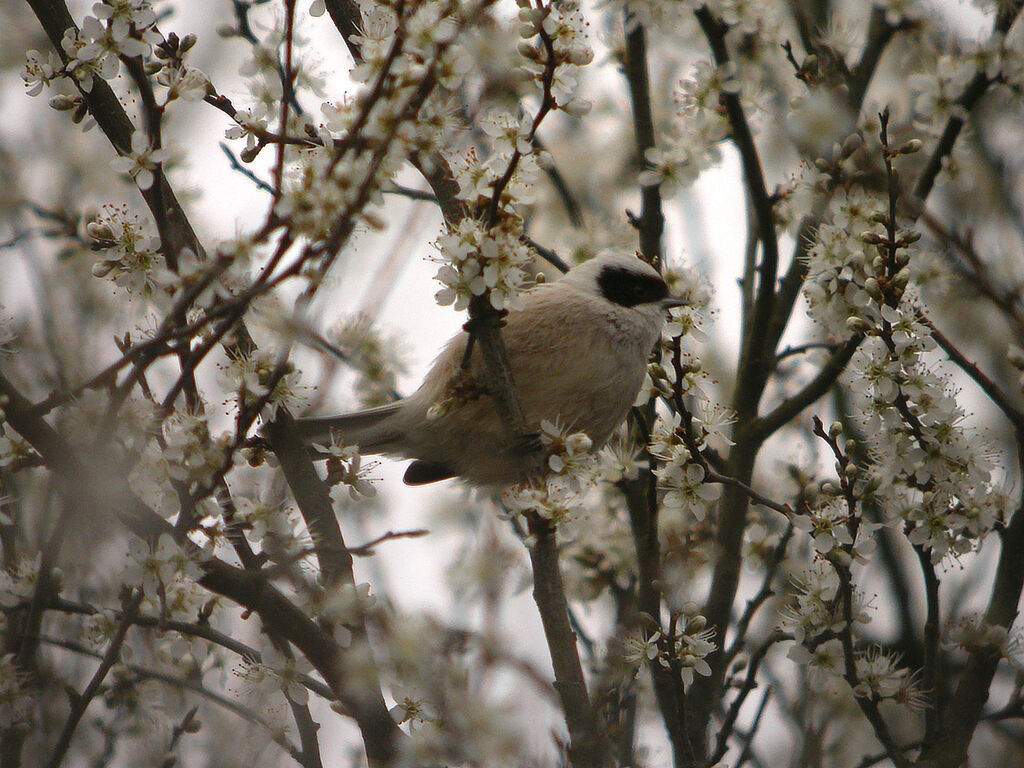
672,301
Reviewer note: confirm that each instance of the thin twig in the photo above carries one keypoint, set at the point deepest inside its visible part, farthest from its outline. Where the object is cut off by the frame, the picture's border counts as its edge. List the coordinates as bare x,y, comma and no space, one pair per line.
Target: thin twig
932,629
236,165
989,387
183,683
81,702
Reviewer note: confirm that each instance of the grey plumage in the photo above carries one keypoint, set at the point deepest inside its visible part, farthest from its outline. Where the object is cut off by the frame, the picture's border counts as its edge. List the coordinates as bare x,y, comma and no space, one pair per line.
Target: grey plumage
362,428
577,351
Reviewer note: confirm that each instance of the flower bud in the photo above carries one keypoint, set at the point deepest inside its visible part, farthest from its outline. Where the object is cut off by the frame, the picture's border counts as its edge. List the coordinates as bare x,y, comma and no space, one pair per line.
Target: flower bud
528,50
374,221
851,144
187,42
63,103
103,268
856,324
901,278
872,238
836,429
576,108
912,146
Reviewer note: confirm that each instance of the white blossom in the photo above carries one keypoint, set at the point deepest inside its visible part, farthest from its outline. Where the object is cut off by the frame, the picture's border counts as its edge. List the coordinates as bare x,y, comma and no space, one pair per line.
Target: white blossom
638,648
476,259
40,71
141,162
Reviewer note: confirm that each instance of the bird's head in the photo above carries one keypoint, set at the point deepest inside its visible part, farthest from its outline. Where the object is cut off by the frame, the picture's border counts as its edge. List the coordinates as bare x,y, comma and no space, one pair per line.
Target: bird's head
624,280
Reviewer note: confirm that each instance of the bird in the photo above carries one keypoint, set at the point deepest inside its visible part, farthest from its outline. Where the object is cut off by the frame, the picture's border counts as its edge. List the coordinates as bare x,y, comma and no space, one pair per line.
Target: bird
577,351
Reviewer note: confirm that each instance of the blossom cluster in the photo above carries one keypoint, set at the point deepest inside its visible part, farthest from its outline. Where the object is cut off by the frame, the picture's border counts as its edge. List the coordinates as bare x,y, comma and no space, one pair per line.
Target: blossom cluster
817,612
374,356
272,528
278,673
699,127
570,471
156,566
926,468
685,649
411,64
260,379
836,533
191,454
18,581
345,470
816,619
684,325
842,271
555,47
680,474
476,259
937,88
117,28
488,255
556,498
128,256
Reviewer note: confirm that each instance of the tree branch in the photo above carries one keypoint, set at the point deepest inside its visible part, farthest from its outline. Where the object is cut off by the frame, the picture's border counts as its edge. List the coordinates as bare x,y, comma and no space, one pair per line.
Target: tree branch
755,357
651,222
177,234
588,746
182,683
99,492
81,702
763,427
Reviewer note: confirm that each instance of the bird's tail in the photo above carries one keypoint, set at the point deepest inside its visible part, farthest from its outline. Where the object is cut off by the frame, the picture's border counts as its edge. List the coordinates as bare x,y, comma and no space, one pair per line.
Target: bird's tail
373,430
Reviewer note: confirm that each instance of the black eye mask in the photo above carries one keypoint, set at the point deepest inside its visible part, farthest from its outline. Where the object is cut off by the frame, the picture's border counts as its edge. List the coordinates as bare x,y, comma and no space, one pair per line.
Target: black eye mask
629,288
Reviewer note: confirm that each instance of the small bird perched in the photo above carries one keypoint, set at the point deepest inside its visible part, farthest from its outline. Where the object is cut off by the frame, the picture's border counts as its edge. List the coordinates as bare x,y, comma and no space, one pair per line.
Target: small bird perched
577,352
